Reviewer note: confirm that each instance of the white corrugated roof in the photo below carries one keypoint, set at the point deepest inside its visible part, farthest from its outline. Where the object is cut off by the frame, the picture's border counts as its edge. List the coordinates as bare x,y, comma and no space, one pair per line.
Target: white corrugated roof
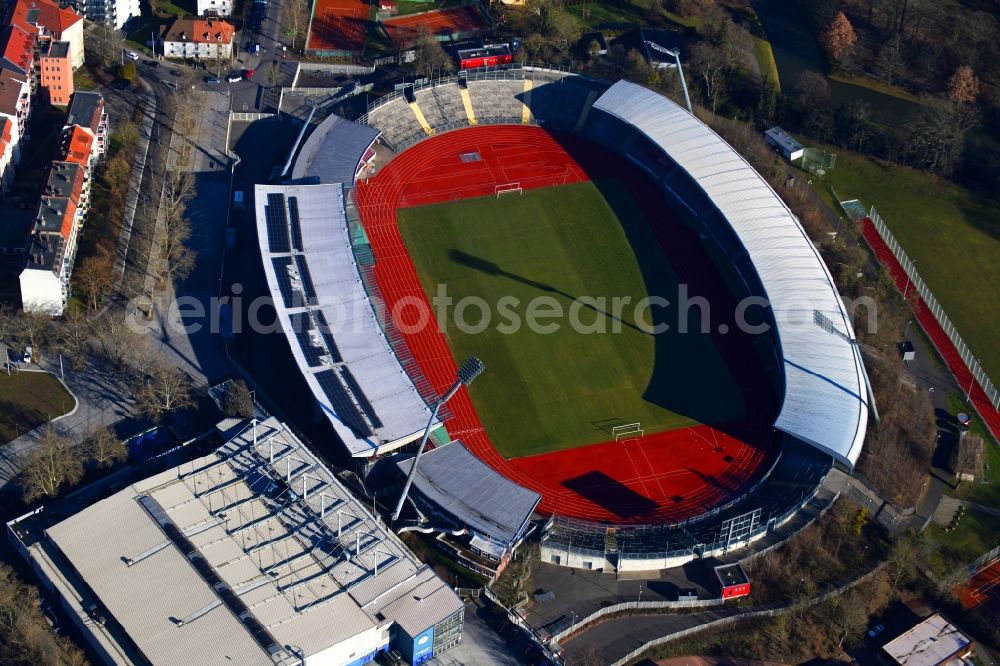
316,569
825,402
341,296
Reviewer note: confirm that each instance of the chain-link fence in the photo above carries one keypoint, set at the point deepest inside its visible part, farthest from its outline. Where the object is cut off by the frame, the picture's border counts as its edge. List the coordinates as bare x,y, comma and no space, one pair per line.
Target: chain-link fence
917,284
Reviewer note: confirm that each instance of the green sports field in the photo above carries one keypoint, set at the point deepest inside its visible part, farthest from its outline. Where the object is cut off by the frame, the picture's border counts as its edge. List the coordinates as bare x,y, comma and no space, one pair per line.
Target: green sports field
545,391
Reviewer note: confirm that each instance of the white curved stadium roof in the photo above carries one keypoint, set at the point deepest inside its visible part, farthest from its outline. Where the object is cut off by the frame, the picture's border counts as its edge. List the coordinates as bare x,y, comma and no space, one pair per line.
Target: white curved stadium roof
826,398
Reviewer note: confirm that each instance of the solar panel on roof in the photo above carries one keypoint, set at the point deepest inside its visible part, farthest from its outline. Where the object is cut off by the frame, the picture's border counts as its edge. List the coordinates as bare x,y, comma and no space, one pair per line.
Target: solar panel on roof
301,324
300,263
341,403
360,396
293,298
277,223
324,330
295,226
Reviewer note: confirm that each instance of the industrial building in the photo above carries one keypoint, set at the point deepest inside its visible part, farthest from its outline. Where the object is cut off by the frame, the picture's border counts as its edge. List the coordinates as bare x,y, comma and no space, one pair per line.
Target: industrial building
933,642
252,554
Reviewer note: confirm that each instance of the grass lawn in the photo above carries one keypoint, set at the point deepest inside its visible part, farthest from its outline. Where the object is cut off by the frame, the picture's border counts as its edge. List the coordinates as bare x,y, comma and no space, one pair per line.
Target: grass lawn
952,233
29,399
545,391
765,60
975,534
878,86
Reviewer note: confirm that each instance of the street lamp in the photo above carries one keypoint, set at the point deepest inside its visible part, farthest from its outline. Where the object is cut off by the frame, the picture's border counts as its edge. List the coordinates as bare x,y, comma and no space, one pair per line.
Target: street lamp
467,374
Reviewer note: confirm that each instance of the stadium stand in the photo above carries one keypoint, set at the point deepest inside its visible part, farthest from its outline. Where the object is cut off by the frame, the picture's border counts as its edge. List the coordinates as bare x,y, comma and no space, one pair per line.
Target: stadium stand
554,98
356,378
792,482
395,120
442,105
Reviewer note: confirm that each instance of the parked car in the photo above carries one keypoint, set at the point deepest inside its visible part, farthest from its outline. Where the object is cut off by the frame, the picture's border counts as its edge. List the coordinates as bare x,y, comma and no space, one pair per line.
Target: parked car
175,72
234,78
170,84
253,48
211,79
875,631
131,55
248,73
152,64
26,357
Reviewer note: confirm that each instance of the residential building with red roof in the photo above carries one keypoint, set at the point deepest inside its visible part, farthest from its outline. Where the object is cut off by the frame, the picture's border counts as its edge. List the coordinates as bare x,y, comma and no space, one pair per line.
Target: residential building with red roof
17,50
6,155
87,111
49,21
15,104
207,39
51,249
62,211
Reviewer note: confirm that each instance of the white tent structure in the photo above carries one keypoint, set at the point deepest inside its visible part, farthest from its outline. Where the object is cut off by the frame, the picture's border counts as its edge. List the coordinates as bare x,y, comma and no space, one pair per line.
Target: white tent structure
827,396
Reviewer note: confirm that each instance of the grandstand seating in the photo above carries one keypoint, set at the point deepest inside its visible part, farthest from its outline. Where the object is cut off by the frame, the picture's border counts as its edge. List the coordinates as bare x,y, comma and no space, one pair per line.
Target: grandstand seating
555,99
442,105
497,99
396,122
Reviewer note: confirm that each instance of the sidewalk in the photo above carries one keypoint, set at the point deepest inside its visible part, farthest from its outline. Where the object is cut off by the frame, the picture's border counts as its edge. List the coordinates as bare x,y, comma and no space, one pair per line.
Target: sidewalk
99,403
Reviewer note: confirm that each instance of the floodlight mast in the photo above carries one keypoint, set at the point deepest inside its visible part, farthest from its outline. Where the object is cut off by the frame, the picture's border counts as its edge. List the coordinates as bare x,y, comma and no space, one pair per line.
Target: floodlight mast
471,369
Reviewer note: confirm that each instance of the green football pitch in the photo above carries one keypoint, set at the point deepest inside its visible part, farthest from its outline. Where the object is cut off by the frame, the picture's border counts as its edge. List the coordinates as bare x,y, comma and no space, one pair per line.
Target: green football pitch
544,389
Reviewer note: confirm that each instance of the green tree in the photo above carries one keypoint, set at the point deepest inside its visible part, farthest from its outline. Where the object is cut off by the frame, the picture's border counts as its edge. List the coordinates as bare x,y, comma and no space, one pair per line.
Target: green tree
237,402
128,71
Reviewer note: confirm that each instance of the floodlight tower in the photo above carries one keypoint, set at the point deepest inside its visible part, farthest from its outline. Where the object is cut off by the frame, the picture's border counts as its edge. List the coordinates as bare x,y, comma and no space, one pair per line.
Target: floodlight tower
471,369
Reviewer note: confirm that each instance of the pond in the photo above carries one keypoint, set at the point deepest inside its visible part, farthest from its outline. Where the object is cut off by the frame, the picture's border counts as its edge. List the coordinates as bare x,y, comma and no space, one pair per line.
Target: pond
796,51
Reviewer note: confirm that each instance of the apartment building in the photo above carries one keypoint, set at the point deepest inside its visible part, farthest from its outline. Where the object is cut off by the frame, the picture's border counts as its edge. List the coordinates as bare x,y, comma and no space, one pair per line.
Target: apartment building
48,21
55,72
62,210
205,39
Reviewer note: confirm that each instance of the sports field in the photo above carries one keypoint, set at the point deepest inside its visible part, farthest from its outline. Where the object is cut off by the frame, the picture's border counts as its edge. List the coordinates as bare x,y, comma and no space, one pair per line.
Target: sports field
546,391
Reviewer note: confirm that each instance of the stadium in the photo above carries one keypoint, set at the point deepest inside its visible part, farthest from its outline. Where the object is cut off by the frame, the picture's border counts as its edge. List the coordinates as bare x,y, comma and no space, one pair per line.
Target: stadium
642,446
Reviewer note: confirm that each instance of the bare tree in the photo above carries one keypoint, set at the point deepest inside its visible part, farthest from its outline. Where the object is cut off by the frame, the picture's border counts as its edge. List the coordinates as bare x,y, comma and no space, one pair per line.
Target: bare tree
94,276
238,402
48,466
937,138
431,56
273,73
105,449
296,14
710,65
73,336
8,322
34,329
165,389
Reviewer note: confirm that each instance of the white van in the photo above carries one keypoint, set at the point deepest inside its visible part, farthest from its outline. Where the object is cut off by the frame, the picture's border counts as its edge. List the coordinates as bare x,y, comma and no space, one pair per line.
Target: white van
132,55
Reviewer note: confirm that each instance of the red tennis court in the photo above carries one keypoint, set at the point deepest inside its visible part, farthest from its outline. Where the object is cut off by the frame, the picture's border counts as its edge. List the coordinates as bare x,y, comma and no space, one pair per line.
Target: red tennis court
455,23
982,592
338,26
662,477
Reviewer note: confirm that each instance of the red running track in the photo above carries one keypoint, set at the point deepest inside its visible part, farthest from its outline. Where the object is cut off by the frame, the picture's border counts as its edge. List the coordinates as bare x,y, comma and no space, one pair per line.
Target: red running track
930,324
662,477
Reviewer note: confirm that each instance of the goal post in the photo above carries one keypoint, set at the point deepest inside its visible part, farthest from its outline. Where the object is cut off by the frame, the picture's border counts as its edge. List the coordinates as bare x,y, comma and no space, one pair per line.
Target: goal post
627,431
508,188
